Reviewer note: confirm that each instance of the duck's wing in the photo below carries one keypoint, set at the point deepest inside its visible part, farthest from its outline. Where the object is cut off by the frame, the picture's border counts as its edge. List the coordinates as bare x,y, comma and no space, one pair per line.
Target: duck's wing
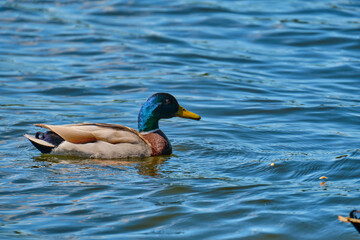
93,132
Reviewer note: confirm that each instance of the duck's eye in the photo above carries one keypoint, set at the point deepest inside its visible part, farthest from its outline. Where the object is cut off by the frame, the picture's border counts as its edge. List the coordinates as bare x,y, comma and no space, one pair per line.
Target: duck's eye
167,101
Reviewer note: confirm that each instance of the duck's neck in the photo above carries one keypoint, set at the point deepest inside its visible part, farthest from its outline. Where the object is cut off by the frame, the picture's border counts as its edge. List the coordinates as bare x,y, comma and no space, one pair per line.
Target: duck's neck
147,122
148,125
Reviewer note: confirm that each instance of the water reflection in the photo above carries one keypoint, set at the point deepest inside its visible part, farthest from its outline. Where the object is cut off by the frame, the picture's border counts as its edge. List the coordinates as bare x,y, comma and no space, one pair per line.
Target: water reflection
149,166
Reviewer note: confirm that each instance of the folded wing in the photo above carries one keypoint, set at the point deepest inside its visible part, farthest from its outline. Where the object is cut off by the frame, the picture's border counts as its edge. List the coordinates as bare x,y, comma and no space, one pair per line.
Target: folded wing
92,132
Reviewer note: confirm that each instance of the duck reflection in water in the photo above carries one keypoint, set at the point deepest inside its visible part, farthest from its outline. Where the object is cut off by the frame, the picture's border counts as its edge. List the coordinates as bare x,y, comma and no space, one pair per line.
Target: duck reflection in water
144,166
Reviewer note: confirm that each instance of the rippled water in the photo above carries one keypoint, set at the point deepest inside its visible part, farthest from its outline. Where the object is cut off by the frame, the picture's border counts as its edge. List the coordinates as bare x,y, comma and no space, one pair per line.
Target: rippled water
274,81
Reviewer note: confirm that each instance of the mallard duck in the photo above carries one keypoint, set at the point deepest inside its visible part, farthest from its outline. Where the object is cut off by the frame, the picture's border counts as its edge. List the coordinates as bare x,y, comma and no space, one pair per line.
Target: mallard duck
100,140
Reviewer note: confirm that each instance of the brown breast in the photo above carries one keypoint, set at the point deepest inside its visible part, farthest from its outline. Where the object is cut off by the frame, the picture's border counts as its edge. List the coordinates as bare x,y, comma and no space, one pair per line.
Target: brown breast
160,145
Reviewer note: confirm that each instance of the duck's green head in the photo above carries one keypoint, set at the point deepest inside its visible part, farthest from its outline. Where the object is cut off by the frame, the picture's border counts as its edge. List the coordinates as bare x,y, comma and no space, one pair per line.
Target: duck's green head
159,106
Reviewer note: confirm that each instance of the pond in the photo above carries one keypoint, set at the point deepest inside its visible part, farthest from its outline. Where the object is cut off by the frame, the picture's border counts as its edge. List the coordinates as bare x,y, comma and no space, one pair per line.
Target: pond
276,84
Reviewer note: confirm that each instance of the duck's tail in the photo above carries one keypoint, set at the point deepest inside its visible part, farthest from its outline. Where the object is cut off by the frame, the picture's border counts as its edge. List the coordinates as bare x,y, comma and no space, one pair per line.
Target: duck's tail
45,142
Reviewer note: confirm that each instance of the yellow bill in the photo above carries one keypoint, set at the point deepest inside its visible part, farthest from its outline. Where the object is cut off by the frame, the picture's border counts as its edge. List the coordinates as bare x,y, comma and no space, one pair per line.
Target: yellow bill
182,112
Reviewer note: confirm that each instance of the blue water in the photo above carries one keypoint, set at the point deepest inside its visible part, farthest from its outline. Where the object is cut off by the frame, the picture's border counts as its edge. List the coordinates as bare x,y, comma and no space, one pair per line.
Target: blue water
274,81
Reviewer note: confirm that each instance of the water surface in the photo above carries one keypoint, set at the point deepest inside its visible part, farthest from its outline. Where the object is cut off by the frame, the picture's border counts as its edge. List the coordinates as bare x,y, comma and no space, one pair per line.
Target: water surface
275,82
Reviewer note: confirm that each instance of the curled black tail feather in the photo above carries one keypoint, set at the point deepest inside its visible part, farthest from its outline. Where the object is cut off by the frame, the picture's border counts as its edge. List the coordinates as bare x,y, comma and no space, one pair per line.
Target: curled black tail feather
50,137
49,140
